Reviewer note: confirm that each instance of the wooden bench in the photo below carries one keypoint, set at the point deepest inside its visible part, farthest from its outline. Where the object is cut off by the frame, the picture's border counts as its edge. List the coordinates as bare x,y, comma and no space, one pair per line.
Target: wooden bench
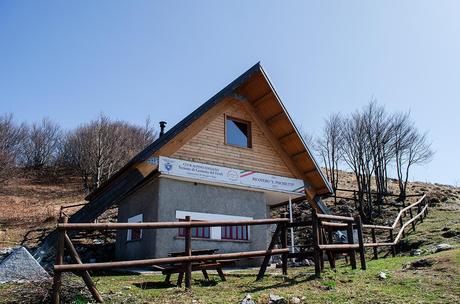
211,264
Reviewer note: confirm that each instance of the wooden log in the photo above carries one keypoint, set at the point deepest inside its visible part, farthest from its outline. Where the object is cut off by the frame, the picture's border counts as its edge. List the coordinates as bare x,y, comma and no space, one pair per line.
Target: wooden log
411,217
57,283
161,225
338,247
205,274
374,239
188,253
159,261
377,244
266,260
334,225
362,250
320,239
377,227
350,242
317,250
335,218
284,256
331,255
401,224
85,274
221,274
393,248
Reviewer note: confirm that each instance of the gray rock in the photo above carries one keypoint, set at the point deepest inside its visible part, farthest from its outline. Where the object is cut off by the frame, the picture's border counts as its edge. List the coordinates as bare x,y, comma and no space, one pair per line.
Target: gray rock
422,263
247,300
20,265
415,252
295,300
442,247
382,275
275,299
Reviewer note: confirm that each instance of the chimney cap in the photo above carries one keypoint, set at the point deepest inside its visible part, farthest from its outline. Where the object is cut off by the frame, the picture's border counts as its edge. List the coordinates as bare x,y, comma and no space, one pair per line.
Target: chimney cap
162,127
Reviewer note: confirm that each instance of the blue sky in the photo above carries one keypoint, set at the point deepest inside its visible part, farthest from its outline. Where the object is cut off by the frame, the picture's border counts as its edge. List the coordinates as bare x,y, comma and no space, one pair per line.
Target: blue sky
70,60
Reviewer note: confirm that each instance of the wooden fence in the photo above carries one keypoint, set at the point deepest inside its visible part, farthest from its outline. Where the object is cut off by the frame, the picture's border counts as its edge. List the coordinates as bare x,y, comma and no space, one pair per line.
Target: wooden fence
64,242
324,225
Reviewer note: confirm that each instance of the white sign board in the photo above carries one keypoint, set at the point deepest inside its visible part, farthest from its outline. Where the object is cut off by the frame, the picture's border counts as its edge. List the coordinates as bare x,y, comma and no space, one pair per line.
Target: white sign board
252,179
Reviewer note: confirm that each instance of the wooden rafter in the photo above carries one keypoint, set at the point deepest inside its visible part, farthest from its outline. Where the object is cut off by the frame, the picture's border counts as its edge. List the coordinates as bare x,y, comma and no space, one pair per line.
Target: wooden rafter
262,99
286,136
310,171
295,155
275,118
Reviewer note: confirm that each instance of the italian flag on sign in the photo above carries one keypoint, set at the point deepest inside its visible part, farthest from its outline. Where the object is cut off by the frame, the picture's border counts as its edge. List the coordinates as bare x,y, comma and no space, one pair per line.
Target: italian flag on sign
244,173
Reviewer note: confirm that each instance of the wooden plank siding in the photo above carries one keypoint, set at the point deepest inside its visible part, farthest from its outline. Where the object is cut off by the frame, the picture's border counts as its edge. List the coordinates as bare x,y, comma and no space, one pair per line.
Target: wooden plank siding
208,146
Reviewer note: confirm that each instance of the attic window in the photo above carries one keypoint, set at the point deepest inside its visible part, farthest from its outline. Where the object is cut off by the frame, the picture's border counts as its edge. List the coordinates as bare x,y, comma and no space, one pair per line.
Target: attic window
238,132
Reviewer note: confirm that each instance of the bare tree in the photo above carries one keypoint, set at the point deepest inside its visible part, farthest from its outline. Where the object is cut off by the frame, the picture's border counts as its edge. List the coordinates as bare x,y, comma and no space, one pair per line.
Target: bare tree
329,147
98,149
41,145
411,147
11,136
357,154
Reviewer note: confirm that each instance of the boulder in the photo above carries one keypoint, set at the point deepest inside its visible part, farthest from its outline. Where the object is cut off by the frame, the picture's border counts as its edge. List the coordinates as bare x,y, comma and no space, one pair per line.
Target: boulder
442,247
247,300
275,299
21,266
422,263
416,252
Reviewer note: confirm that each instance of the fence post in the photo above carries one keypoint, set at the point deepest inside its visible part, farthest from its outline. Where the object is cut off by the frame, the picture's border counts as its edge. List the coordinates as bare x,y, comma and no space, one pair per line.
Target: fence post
188,252
284,256
351,241
85,274
314,220
426,204
401,224
393,249
362,251
411,216
59,261
374,240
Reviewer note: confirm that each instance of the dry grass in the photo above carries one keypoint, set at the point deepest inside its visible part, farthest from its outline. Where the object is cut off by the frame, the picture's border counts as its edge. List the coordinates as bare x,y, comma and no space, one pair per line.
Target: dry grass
29,208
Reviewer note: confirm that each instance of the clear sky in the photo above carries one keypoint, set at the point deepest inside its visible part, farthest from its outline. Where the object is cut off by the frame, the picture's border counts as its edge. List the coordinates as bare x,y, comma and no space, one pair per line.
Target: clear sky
70,60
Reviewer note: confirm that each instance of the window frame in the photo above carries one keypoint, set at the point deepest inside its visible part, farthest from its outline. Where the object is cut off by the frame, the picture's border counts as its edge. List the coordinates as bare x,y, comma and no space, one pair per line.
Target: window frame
138,218
202,235
249,135
229,236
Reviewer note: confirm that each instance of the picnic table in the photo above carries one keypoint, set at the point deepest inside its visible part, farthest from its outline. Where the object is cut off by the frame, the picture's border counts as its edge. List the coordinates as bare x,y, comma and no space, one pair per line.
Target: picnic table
203,266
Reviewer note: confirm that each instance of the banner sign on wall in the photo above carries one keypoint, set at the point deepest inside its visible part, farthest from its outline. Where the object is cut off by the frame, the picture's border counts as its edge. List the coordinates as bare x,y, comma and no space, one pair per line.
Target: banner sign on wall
218,174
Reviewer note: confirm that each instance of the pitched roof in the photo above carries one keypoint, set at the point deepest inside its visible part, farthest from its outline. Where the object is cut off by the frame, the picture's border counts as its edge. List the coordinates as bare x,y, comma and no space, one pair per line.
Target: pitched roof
241,87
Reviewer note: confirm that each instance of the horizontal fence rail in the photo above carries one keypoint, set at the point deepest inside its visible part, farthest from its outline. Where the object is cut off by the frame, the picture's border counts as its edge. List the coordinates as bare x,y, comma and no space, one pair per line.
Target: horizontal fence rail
187,260
322,227
162,225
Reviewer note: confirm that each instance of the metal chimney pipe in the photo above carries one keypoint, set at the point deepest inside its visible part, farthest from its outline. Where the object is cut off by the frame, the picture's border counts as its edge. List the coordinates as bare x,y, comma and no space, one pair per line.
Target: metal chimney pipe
162,127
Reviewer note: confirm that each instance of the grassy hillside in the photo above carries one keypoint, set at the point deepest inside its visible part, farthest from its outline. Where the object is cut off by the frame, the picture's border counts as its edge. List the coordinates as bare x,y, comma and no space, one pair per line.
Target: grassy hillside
29,205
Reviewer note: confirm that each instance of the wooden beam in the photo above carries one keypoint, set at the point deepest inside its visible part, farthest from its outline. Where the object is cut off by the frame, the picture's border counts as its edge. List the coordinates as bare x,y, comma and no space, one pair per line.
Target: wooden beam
262,99
295,155
310,171
275,118
286,136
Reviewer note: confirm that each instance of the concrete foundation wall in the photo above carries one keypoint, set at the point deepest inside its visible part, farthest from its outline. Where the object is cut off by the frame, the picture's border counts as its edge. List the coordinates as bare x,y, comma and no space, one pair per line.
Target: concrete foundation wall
159,201
143,201
187,196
